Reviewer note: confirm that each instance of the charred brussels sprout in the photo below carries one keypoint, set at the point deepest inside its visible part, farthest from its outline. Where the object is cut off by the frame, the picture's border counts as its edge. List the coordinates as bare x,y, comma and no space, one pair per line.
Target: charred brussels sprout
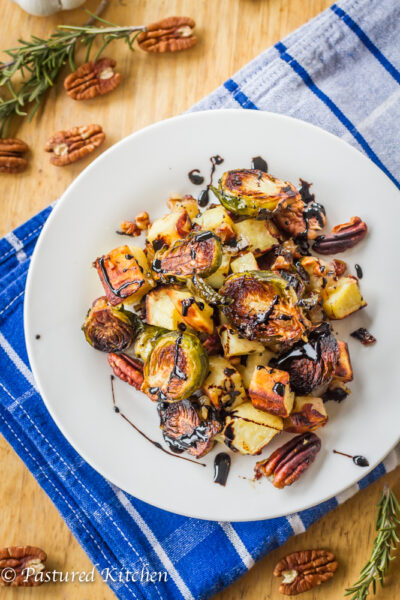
200,253
110,329
312,364
183,430
253,193
146,340
263,307
175,368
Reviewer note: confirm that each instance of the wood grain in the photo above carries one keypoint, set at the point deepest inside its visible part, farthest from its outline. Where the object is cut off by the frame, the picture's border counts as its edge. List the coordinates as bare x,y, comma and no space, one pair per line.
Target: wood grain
231,33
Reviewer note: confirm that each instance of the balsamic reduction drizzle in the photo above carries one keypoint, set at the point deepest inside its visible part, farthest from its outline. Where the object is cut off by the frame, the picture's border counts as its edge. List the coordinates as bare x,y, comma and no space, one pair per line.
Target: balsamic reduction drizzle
359,271
222,465
279,389
305,193
37,336
195,177
337,394
358,460
259,164
146,437
204,197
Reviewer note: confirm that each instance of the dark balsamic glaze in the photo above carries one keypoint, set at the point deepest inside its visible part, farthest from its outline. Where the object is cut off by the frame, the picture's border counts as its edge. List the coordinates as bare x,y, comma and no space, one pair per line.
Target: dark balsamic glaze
305,193
204,196
195,177
37,336
279,389
158,244
359,271
186,304
259,164
364,336
222,465
265,316
336,394
156,266
310,349
177,372
358,460
146,437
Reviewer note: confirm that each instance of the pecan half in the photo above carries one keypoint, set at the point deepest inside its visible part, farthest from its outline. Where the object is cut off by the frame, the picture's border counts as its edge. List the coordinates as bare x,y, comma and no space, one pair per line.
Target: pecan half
11,155
92,79
127,369
342,238
304,570
19,566
168,35
73,144
288,462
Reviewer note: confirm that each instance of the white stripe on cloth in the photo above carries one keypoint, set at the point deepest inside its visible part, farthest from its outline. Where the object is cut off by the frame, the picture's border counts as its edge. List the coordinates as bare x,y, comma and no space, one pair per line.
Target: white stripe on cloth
17,245
155,544
237,543
348,493
392,460
296,523
13,356
376,113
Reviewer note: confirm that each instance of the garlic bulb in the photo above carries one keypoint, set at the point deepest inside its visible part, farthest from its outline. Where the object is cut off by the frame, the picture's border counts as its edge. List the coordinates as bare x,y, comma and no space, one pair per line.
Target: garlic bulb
43,8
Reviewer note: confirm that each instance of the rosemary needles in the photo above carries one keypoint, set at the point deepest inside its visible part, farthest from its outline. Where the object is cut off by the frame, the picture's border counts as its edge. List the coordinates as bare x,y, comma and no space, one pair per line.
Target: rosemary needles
385,542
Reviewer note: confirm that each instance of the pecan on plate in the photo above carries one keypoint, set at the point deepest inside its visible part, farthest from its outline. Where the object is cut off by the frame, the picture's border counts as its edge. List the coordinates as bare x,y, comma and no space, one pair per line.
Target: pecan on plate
168,35
92,79
342,238
20,565
127,369
11,155
288,462
304,570
73,144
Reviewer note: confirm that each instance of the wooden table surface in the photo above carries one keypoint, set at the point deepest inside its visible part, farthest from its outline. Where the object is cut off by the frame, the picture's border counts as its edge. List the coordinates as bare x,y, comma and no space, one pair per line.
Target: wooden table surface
156,87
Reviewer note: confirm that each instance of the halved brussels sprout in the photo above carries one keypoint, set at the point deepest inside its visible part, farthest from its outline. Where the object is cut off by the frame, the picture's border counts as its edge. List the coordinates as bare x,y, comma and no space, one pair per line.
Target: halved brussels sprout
252,193
311,364
176,367
263,308
199,253
146,340
183,430
110,329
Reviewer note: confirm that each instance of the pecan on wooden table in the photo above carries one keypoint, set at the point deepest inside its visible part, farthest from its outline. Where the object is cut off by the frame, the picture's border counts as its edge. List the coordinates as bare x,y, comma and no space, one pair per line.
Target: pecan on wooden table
11,155
20,564
303,570
168,35
92,79
73,144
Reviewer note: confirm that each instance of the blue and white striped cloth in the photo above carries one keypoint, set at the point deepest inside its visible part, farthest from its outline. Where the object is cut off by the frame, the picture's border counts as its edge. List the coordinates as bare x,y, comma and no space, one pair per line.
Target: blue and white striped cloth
339,72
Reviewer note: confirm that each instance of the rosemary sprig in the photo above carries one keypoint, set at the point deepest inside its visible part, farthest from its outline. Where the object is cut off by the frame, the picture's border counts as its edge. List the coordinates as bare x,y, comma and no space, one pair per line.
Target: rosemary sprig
39,61
386,540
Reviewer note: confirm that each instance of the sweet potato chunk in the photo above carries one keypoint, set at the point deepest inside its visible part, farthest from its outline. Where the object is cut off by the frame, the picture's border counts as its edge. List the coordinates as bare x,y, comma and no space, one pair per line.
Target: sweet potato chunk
308,414
344,370
270,391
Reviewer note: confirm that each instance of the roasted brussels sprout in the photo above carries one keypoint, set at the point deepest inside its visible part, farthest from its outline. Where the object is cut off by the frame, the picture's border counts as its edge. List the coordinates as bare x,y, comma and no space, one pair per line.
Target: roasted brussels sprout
125,274
146,340
200,253
176,367
311,364
110,329
253,193
201,287
183,430
263,308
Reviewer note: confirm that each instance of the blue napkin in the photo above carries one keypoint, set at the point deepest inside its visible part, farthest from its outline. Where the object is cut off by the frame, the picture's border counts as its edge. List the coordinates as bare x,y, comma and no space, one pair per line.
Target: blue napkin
339,72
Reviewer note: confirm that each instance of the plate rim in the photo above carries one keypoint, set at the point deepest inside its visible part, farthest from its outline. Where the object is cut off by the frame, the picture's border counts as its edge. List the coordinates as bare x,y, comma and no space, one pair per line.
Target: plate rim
29,290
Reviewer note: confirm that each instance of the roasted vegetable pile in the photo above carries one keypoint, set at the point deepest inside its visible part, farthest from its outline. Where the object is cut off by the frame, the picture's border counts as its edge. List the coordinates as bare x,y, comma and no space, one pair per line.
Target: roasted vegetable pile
223,319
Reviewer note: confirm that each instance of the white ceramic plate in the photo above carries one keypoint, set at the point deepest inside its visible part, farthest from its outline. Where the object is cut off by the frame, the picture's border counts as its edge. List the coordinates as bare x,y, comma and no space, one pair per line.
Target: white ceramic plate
140,172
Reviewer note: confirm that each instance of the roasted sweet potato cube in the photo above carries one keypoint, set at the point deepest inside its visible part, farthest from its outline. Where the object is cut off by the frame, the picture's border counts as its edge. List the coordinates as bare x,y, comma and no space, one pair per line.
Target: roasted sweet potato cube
124,273
343,370
270,391
308,414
